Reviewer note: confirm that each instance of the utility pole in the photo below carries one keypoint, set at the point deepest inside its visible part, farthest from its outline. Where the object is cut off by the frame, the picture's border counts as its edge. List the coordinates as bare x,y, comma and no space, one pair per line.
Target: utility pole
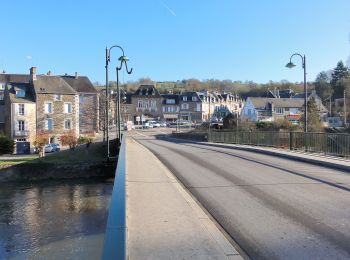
345,109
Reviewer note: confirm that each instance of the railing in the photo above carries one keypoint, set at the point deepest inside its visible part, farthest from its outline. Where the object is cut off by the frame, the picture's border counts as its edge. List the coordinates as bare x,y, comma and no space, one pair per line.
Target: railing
115,236
21,133
326,143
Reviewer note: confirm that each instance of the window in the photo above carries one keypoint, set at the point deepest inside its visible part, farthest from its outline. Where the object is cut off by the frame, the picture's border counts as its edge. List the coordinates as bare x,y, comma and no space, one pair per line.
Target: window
20,125
170,101
48,108
2,86
21,109
1,96
20,93
48,124
198,108
279,110
67,108
249,111
194,98
184,106
58,97
67,124
21,140
139,103
184,98
153,104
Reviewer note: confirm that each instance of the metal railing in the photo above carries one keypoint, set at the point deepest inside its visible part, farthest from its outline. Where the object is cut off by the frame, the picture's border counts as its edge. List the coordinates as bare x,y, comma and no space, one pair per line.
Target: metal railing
326,143
115,237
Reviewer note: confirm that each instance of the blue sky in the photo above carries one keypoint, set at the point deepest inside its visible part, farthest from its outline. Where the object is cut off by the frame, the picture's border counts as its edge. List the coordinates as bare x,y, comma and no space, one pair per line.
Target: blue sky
176,39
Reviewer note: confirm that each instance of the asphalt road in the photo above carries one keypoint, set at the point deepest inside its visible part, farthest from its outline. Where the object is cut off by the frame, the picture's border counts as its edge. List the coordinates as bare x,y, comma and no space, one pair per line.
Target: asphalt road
273,208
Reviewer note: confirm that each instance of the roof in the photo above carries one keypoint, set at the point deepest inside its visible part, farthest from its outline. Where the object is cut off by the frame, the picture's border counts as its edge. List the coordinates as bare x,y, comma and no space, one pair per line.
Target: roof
170,96
15,78
189,96
29,97
80,84
53,85
260,102
147,90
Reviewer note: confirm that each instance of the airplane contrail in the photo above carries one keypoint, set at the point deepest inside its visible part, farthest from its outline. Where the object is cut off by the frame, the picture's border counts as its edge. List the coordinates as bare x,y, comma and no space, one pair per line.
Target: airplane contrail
167,7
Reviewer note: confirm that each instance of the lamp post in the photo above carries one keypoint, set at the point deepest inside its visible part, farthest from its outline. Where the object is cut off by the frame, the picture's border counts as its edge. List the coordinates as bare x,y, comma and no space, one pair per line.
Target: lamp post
108,59
123,59
290,65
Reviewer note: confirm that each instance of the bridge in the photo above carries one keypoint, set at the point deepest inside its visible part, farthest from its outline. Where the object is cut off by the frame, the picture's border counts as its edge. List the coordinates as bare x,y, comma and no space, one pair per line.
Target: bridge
178,199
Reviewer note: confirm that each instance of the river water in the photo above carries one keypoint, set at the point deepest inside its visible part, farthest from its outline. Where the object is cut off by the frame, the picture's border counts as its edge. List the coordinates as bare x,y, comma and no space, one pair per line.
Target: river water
54,219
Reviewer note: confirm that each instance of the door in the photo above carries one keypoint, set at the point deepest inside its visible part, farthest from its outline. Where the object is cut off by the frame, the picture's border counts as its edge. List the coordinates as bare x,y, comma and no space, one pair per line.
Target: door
22,148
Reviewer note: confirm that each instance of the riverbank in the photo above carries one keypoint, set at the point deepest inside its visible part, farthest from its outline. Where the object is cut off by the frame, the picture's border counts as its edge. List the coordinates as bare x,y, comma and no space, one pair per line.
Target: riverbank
83,162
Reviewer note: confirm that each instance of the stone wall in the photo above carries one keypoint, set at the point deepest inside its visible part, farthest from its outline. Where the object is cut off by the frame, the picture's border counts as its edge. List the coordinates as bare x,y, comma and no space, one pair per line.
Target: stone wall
58,115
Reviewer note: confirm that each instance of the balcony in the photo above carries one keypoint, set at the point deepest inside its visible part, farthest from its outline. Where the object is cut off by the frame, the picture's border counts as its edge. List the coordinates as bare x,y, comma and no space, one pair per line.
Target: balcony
21,133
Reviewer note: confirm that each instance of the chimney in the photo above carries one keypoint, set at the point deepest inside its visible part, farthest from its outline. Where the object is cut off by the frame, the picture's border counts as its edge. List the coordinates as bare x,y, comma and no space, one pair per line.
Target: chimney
48,73
32,73
76,75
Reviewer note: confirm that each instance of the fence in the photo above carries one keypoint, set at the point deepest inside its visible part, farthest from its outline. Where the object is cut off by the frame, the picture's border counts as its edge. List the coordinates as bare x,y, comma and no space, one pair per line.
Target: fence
326,143
115,237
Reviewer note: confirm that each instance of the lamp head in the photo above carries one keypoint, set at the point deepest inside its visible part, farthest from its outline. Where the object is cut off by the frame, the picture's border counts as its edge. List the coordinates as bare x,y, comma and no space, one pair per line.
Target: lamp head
290,65
123,58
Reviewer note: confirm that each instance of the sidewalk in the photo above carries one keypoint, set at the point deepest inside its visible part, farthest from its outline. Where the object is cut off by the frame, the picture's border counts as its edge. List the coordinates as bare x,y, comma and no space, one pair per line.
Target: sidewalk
314,158
163,220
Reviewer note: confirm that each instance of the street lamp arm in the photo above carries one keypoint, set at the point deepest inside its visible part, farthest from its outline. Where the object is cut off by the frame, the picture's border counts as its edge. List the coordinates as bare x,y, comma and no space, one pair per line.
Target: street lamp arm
126,67
114,46
301,56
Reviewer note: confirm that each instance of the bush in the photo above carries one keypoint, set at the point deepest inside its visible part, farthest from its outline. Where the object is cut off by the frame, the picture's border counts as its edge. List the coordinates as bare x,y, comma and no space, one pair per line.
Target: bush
6,145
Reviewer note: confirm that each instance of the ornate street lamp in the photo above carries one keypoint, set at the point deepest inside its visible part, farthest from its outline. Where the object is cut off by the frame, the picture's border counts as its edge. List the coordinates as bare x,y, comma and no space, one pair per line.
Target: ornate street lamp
123,59
108,59
290,65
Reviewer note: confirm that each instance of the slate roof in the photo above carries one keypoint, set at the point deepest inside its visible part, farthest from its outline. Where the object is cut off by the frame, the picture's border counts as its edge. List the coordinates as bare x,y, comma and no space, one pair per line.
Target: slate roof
80,84
29,97
147,90
260,102
52,85
189,96
15,78
170,96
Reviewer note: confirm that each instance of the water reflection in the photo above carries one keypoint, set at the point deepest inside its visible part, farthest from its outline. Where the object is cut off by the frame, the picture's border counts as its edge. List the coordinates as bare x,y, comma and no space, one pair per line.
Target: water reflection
39,219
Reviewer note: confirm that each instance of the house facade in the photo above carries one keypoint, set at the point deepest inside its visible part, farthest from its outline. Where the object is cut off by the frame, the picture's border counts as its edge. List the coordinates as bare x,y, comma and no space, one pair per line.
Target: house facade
259,109
170,107
147,103
190,106
35,104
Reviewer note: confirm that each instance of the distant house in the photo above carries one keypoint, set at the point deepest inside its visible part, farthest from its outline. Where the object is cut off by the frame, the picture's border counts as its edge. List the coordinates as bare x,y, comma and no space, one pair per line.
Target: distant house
322,110
170,106
147,103
270,109
190,107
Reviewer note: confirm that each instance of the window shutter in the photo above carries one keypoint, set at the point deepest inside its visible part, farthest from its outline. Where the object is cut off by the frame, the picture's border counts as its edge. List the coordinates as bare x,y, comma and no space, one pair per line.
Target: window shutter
16,109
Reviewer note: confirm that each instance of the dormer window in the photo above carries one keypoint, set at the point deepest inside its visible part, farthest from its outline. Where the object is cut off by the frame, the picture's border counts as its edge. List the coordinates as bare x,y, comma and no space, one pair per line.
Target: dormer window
184,98
2,86
20,93
58,97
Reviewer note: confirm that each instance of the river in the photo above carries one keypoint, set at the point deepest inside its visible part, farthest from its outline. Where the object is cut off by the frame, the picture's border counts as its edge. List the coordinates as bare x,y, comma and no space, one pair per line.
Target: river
54,219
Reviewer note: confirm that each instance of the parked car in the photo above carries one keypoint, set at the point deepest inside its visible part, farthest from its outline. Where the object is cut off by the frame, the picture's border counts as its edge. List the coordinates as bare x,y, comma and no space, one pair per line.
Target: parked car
50,148
57,147
154,124
163,124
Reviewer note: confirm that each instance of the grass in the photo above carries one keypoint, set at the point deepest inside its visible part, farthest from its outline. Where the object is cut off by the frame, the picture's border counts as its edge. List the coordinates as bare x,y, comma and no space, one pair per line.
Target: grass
95,153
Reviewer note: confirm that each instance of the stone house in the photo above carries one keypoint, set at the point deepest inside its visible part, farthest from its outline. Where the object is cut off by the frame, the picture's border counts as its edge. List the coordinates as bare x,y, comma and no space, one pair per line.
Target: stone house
44,103
147,103
170,107
88,103
190,107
